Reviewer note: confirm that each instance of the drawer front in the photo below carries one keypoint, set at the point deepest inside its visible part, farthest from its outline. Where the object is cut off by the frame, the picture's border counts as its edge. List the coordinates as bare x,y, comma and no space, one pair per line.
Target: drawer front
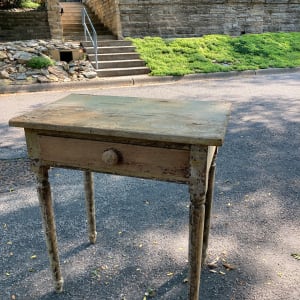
115,158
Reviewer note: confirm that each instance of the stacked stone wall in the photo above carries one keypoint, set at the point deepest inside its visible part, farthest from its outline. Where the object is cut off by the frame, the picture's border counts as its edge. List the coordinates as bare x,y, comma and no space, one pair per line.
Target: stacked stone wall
23,25
108,13
54,18
183,18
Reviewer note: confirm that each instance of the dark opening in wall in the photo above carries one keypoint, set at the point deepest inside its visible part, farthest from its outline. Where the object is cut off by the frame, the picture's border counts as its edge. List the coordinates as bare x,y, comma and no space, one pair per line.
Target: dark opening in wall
66,56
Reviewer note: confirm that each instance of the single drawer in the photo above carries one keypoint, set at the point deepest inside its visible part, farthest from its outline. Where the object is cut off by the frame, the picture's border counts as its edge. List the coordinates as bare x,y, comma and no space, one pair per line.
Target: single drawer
115,158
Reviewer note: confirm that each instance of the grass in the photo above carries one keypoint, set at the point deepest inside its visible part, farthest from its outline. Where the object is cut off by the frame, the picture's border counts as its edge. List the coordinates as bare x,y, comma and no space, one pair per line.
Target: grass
219,53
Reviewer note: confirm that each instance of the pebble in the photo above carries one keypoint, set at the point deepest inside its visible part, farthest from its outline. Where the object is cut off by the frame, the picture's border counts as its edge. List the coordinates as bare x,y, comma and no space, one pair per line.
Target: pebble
14,56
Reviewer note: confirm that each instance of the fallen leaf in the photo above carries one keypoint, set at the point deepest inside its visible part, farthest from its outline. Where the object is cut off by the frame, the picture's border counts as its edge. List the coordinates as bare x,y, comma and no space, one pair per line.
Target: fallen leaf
140,245
7,274
150,293
212,265
185,280
33,256
296,255
9,243
222,273
13,297
213,271
170,274
104,267
228,266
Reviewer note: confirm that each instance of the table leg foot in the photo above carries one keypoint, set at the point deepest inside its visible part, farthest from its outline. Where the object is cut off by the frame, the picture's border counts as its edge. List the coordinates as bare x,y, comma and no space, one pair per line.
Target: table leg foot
195,249
90,205
59,285
45,200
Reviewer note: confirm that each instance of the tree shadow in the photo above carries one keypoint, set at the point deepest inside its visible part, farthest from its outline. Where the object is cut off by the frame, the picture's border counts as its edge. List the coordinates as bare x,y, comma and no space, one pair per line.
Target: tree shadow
143,225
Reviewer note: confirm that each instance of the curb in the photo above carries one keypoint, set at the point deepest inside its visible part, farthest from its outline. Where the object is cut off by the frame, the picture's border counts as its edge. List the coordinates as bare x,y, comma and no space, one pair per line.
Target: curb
110,82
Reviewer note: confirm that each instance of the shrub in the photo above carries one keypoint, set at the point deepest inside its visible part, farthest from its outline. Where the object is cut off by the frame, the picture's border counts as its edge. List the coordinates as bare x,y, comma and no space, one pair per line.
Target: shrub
39,62
29,4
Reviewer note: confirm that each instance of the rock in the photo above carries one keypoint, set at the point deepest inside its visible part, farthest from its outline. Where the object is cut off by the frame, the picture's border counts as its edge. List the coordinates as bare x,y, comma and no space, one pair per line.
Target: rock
52,77
44,72
58,72
21,76
43,79
4,75
22,57
21,69
89,74
15,55
3,55
35,72
32,44
11,69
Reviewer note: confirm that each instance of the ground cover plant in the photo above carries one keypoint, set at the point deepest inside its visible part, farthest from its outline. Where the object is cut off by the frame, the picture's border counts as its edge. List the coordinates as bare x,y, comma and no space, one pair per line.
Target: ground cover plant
39,62
219,53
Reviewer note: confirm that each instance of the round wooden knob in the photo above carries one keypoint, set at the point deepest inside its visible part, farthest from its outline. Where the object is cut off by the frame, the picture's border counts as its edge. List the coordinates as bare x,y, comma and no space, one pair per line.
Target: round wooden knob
110,157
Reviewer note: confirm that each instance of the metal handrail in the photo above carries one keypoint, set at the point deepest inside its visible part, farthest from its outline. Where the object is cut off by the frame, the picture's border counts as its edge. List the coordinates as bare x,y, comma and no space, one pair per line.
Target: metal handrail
87,33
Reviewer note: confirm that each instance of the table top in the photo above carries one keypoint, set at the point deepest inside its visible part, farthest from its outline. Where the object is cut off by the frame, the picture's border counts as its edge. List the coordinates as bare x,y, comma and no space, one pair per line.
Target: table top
186,122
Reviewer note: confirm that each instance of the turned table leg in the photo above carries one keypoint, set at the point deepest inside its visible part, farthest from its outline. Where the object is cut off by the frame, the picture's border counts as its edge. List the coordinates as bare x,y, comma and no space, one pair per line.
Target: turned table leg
90,205
45,200
197,188
208,207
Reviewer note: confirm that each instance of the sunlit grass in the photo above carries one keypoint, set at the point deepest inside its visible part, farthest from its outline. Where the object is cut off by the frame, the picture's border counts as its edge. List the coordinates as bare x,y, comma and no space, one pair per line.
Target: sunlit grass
219,53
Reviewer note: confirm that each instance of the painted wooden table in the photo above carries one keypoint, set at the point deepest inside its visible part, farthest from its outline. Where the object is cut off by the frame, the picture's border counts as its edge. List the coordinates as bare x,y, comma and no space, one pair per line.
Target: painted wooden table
159,139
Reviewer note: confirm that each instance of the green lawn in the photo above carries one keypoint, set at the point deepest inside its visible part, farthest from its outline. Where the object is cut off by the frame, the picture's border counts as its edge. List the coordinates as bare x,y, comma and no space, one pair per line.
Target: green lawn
219,53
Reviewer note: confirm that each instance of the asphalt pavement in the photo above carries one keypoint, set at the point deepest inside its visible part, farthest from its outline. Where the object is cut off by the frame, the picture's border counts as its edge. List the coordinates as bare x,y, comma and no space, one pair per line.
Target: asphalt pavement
143,224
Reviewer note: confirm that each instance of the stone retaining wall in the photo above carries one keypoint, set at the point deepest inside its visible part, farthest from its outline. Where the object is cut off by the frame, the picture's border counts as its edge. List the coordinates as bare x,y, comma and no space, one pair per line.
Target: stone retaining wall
183,18
24,25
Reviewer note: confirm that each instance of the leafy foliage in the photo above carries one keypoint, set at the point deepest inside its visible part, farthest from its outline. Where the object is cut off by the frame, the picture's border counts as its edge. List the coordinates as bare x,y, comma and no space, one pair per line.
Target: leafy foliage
29,4
39,62
219,53
32,4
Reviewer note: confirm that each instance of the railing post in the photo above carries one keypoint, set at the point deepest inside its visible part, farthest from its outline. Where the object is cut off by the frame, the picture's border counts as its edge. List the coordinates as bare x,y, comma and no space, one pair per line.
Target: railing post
86,31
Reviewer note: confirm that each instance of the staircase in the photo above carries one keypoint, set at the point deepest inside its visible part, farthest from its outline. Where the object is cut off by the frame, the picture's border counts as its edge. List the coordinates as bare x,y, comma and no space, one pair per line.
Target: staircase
115,57
72,24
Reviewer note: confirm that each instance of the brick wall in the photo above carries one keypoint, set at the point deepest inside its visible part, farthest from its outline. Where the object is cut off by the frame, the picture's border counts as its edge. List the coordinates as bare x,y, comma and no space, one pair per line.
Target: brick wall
183,18
24,25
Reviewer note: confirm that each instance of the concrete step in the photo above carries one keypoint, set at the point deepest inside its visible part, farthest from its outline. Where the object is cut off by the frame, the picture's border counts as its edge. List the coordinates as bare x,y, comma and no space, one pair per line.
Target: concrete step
80,37
122,71
108,43
115,64
111,50
114,56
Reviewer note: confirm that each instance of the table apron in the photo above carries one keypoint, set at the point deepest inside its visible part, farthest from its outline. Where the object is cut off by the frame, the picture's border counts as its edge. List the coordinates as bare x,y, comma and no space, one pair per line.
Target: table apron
138,161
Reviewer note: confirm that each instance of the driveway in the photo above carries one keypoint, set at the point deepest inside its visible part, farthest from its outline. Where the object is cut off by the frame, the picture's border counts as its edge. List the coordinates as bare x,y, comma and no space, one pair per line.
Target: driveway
143,224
